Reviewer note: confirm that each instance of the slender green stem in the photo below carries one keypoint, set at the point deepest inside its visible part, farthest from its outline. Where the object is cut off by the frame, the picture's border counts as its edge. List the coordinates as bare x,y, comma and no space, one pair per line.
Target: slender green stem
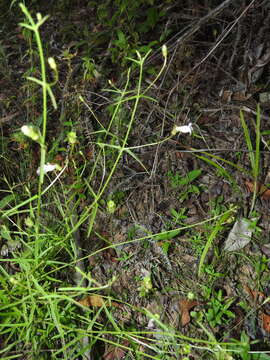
212,236
42,141
122,148
256,164
254,158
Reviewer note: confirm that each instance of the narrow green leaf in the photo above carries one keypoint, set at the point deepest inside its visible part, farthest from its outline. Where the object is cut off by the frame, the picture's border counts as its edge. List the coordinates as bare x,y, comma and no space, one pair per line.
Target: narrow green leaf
6,200
167,236
218,226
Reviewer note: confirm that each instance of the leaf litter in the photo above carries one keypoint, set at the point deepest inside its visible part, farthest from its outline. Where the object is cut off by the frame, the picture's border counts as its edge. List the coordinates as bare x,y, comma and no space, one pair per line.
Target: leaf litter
240,235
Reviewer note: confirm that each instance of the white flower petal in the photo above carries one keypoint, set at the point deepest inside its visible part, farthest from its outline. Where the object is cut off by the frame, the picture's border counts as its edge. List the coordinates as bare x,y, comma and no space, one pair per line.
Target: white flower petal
185,129
47,168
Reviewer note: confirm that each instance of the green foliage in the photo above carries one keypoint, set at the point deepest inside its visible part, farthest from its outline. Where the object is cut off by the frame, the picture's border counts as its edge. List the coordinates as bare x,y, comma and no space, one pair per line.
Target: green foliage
127,21
242,348
217,206
90,72
222,219
218,312
178,216
197,242
146,285
254,153
167,235
185,183
177,180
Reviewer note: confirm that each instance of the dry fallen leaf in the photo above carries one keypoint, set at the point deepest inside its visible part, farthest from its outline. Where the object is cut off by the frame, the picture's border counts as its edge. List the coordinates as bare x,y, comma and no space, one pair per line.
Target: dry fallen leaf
240,96
185,306
266,322
262,190
257,296
110,255
259,299
116,352
240,235
95,300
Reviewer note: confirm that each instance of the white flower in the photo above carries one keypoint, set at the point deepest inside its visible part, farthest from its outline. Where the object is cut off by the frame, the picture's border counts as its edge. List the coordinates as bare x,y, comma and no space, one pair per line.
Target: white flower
164,51
52,63
48,167
31,131
185,129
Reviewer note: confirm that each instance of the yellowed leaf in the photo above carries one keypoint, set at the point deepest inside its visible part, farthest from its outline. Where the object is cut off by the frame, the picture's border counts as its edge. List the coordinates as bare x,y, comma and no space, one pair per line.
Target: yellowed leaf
95,300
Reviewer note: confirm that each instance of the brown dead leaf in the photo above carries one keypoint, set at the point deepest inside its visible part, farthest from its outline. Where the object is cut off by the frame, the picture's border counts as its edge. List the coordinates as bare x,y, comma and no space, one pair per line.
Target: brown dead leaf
116,352
95,300
266,322
241,96
89,154
266,195
110,255
185,306
262,190
257,296
59,159
226,95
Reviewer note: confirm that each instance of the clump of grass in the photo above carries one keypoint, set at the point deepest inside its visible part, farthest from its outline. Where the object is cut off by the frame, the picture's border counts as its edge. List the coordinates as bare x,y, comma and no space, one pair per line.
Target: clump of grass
254,154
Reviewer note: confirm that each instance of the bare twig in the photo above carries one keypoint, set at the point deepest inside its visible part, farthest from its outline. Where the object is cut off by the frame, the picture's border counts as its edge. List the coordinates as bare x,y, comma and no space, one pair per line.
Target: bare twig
190,30
223,36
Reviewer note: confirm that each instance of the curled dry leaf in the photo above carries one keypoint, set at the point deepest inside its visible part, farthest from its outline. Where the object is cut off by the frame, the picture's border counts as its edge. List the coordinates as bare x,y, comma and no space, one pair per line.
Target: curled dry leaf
95,300
185,306
262,190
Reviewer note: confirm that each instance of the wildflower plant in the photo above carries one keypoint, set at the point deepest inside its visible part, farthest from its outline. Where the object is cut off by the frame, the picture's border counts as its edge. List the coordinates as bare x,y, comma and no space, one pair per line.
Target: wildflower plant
29,130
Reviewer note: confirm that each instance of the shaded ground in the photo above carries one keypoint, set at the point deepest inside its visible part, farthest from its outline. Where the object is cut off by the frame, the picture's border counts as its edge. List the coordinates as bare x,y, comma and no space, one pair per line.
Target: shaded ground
222,66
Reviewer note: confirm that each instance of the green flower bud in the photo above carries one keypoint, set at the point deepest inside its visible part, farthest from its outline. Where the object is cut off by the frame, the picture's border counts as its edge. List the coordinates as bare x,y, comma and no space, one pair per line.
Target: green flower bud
72,137
164,51
111,206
